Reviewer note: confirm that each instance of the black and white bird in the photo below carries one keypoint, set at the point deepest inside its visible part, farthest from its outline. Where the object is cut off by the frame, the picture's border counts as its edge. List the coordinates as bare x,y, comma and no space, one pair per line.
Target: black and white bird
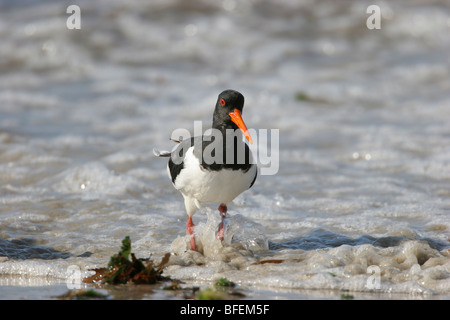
214,168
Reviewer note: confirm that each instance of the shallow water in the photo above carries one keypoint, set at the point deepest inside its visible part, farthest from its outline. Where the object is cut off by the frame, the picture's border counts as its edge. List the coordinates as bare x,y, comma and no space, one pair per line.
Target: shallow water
361,198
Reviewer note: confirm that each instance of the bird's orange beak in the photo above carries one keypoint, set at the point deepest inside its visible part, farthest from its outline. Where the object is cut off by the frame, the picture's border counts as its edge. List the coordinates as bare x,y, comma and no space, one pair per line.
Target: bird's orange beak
237,119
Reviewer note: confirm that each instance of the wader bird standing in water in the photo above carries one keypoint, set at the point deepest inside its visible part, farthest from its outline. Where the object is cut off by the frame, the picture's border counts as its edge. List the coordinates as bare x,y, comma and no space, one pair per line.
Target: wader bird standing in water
208,171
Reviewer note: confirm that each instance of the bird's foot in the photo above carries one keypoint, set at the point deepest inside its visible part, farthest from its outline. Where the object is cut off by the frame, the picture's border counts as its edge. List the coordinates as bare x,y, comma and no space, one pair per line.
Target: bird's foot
223,214
221,232
193,247
190,231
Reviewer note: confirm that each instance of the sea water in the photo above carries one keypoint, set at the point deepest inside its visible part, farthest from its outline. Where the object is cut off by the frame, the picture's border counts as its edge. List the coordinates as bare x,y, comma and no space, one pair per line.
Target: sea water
360,200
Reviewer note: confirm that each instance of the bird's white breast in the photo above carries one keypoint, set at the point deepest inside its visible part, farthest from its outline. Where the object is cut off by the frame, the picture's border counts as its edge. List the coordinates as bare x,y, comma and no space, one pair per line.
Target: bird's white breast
220,186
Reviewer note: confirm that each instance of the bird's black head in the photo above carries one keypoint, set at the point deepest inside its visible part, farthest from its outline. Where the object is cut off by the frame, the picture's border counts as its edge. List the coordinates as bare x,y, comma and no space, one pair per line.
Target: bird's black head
227,114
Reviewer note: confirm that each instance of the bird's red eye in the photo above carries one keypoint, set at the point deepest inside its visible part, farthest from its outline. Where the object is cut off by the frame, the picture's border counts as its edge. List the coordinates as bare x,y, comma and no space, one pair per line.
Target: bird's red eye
222,102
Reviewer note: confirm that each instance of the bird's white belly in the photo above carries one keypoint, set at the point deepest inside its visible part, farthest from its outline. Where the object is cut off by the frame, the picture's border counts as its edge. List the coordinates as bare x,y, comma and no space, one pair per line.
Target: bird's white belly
212,186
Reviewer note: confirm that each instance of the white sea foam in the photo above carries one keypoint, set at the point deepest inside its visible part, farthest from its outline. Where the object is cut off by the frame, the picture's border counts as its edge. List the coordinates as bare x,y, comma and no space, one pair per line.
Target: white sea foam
362,117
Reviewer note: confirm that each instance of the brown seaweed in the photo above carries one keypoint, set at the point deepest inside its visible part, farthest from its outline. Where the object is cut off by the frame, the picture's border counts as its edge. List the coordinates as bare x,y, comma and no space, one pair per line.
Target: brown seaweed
121,269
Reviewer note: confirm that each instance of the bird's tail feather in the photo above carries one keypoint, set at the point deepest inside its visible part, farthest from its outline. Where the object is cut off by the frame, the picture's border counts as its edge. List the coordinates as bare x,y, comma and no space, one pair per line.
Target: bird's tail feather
158,153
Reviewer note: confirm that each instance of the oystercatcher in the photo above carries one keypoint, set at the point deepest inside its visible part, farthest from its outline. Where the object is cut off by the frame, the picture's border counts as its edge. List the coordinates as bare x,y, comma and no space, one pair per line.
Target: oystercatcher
214,168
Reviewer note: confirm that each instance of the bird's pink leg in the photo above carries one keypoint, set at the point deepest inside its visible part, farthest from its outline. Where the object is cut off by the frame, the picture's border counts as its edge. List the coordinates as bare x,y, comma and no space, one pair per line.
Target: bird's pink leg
223,214
190,231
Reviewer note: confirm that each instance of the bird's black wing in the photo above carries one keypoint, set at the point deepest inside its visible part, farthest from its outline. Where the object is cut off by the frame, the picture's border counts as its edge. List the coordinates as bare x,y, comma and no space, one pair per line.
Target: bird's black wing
176,161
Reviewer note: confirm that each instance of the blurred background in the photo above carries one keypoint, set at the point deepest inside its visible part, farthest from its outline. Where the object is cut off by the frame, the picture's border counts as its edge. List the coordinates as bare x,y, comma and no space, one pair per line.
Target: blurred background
364,118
